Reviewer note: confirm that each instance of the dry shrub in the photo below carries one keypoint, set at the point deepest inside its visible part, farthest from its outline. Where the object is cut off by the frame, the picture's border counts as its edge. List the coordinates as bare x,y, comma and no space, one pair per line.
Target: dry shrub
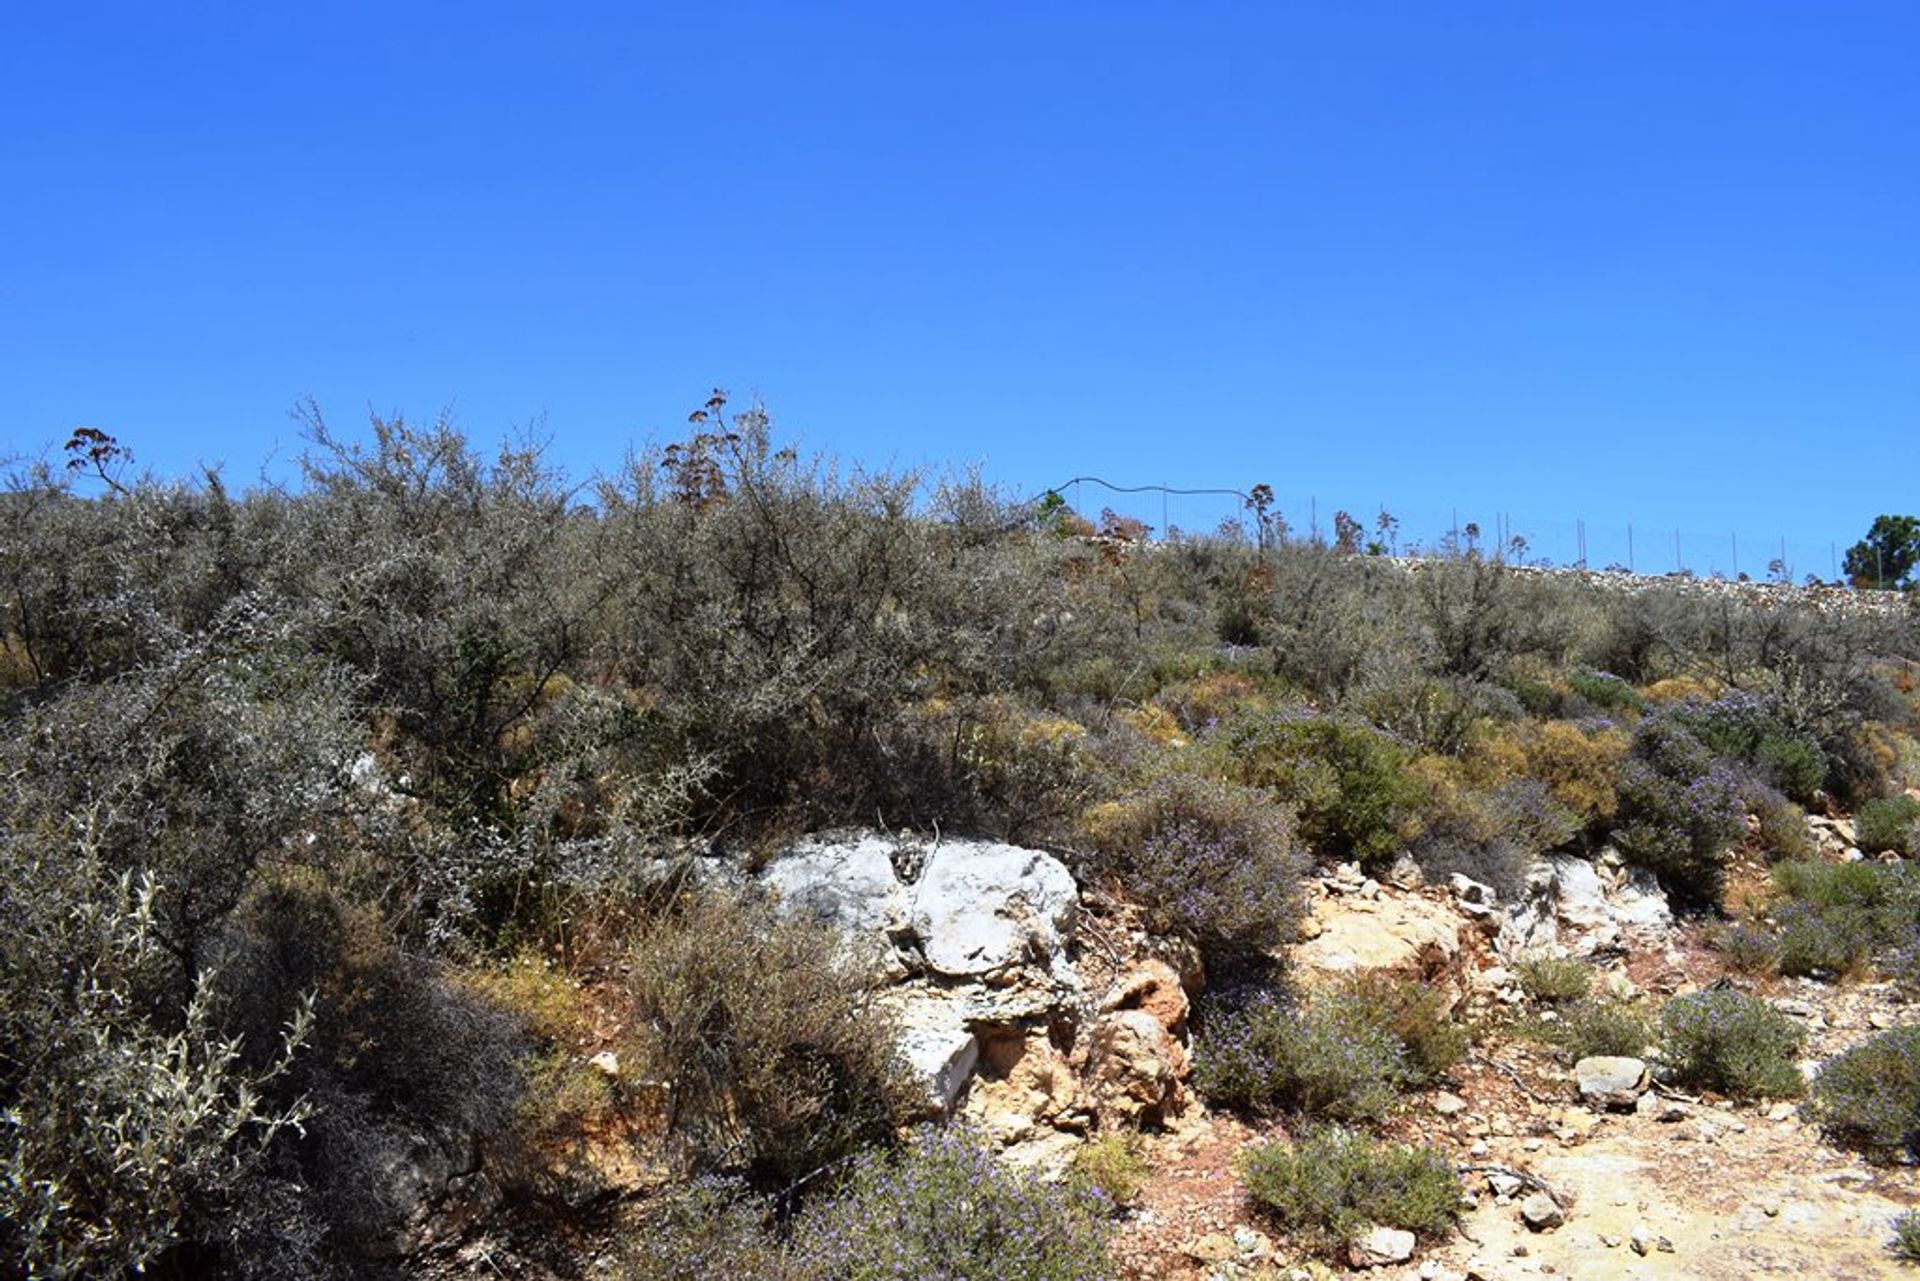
407,1069
1682,689
1783,833
1579,764
771,1032
1488,833
1203,702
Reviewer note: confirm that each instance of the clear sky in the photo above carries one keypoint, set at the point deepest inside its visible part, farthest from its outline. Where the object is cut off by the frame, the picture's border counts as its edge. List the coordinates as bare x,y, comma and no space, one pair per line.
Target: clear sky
1616,261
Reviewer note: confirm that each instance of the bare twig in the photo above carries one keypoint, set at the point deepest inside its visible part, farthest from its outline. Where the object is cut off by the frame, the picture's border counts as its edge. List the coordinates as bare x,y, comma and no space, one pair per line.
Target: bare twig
1560,1198
1513,1076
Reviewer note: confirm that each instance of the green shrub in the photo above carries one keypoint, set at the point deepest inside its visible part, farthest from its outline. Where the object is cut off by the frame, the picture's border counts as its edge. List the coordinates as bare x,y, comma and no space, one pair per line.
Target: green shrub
1901,966
1835,917
1415,1015
1747,728
1605,691
1211,860
1324,1058
1783,829
1870,1096
1890,823
1597,1027
1350,783
1433,713
772,1032
1334,1184
1731,1042
1827,942
1872,887
1111,1166
708,1227
1681,807
948,1207
1750,951
125,1135
1554,979
1905,1244
944,1206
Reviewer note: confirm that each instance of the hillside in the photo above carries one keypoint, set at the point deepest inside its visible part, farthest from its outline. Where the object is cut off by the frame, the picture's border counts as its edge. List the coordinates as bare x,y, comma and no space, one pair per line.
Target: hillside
744,865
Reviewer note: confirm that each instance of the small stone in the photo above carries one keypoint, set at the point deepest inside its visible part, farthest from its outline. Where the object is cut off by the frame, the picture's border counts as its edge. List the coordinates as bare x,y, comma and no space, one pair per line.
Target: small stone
1780,1112
1609,1240
1667,1111
1541,1213
1446,1104
1214,1247
1381,1247
1611,1081
1640,1239
1468,890
606,1062
1619,986
1503,1184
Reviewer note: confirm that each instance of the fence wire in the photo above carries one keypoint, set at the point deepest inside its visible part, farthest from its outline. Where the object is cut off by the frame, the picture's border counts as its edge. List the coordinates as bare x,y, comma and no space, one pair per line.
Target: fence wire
1576,542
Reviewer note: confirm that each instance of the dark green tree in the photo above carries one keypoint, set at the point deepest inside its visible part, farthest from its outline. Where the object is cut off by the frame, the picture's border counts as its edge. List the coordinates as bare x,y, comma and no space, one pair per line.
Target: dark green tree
1886,557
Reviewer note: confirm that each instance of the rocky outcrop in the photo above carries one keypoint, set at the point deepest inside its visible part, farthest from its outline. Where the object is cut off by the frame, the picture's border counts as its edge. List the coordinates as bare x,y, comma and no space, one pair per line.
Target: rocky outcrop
1399,935
980,909
1026,1085
1584,907
849,884
994,1018
938,1046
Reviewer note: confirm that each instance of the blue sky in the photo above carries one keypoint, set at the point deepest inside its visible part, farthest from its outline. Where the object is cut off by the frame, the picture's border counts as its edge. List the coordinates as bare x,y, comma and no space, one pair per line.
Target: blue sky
1615,262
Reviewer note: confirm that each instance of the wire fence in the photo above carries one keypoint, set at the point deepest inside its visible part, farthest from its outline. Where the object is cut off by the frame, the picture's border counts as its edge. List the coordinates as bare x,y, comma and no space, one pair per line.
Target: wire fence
1549,542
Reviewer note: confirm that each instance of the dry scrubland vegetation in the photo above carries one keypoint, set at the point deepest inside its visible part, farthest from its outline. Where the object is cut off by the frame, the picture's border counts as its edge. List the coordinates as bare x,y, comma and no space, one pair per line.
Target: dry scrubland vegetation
337,818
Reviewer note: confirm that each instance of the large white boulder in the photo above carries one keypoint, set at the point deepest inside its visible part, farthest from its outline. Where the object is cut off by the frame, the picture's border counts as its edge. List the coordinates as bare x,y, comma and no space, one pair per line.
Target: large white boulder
848,884
939,1048
1584,906
981,908
984,927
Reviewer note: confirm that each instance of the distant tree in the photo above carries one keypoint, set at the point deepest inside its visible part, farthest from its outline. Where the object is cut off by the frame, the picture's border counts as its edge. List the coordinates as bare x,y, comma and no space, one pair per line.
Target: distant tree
1886,557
